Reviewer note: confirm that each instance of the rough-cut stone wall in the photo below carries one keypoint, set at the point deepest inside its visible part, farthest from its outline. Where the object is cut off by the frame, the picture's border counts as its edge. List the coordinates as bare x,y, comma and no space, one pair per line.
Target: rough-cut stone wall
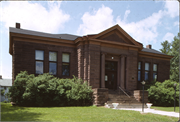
24,58
131,73
80,57
94,66
100,96
138,94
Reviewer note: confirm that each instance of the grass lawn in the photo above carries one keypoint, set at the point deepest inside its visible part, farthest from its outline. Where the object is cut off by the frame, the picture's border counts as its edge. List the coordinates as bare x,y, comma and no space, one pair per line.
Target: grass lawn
12,113
165,108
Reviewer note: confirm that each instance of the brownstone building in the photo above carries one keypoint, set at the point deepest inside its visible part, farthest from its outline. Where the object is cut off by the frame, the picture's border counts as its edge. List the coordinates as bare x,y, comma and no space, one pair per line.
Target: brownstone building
109,59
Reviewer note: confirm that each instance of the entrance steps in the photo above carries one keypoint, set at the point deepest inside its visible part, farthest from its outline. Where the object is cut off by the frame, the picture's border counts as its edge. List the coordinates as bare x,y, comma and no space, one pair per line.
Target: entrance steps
115,96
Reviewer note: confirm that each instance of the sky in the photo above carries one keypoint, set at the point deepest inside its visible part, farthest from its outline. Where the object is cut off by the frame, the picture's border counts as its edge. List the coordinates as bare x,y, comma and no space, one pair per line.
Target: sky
148,22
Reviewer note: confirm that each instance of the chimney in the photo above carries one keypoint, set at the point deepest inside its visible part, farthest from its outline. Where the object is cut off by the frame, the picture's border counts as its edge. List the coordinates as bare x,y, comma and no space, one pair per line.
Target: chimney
148,46
0,76
18,25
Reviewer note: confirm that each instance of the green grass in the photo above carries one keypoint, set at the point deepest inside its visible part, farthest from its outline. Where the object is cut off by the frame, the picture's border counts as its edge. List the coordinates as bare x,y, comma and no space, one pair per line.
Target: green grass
15,113
165,108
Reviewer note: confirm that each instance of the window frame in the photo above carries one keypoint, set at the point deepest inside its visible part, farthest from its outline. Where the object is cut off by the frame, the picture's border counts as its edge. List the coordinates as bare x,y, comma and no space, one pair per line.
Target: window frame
39,60
155,71
140,71
66,63
53,62
147,71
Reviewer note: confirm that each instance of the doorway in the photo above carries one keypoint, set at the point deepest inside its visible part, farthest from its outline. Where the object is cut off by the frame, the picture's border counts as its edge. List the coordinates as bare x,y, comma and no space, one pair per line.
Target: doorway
111,75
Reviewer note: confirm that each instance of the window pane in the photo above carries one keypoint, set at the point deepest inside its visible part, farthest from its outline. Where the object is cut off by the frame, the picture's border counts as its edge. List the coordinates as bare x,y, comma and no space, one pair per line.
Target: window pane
52,56
52,68
139,75
146,76
155,67
147,66
39,67
65,69
139,65
155,76
39,55
65,57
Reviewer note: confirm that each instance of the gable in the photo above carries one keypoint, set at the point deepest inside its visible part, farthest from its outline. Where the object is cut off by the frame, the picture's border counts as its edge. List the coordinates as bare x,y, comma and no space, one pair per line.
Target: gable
117,34
116,37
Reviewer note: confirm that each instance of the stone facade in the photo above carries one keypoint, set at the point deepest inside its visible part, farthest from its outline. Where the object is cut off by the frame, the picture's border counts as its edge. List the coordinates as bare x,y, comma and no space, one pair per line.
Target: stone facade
88,58
100,96
138,94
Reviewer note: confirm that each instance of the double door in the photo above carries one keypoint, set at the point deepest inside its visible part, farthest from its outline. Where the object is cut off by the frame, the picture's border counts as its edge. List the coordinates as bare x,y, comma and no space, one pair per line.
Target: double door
111,75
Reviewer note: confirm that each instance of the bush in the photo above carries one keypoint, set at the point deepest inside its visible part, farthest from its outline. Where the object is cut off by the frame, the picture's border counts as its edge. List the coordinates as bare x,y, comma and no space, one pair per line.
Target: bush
162,94
2,92
47,90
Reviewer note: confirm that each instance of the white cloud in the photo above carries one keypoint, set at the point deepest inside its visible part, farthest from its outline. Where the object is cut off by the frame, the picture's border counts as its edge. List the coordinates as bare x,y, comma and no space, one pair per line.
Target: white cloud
127,12
97,21
169,37
145,30
172,8
34,16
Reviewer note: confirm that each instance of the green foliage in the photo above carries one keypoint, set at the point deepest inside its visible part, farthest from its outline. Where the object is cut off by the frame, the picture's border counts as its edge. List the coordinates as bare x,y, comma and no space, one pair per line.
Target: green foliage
173,50
47,90
166,47
2,92
162,94
174,68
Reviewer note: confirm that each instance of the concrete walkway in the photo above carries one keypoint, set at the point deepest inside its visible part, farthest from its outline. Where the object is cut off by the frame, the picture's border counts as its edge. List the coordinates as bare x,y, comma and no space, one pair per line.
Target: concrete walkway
146,110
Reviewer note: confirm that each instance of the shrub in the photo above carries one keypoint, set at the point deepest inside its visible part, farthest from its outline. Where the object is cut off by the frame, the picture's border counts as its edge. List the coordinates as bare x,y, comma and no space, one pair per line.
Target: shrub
47,90
162,94
2,92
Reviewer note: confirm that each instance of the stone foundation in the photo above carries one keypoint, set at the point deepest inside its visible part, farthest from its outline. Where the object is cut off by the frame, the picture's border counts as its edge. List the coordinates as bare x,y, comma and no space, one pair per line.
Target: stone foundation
138,94
100,96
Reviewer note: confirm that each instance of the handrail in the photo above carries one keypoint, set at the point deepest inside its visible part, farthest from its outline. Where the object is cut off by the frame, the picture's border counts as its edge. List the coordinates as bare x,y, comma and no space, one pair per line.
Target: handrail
124,92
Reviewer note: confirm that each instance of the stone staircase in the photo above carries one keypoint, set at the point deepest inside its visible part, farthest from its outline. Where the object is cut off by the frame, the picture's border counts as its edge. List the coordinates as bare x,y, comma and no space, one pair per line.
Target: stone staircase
117,96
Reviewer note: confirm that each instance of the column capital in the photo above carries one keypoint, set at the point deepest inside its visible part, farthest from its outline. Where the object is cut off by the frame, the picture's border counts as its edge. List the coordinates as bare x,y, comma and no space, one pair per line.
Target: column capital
103,53
122,55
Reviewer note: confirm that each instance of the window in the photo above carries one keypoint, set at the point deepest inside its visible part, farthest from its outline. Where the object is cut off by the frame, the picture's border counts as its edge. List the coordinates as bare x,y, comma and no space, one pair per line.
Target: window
39,60
146,72
139,71
53,63
155,72
65,64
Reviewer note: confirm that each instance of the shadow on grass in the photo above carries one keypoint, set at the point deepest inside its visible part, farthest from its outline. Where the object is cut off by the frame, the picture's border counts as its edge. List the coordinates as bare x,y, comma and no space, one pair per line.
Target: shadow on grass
15,113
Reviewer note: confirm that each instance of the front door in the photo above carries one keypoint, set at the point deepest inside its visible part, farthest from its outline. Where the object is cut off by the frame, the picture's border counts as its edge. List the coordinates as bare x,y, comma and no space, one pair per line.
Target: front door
111,75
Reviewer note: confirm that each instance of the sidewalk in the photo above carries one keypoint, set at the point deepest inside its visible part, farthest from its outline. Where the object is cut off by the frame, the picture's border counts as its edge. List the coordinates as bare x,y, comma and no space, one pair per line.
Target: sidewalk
146,110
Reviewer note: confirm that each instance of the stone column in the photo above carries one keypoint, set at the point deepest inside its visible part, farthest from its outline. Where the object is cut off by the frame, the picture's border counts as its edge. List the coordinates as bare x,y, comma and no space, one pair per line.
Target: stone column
122,76
102,70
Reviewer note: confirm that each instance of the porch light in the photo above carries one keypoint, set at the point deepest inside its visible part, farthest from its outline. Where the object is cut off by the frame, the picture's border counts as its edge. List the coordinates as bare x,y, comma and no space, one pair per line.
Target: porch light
112,57
143,83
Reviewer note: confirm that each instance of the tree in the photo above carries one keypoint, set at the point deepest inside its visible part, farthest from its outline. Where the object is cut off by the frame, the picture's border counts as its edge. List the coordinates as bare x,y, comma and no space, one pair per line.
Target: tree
174,68
173,50
166,47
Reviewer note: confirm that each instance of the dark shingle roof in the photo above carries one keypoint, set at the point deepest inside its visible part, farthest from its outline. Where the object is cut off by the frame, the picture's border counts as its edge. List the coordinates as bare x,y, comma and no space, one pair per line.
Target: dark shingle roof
152,51
35,33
